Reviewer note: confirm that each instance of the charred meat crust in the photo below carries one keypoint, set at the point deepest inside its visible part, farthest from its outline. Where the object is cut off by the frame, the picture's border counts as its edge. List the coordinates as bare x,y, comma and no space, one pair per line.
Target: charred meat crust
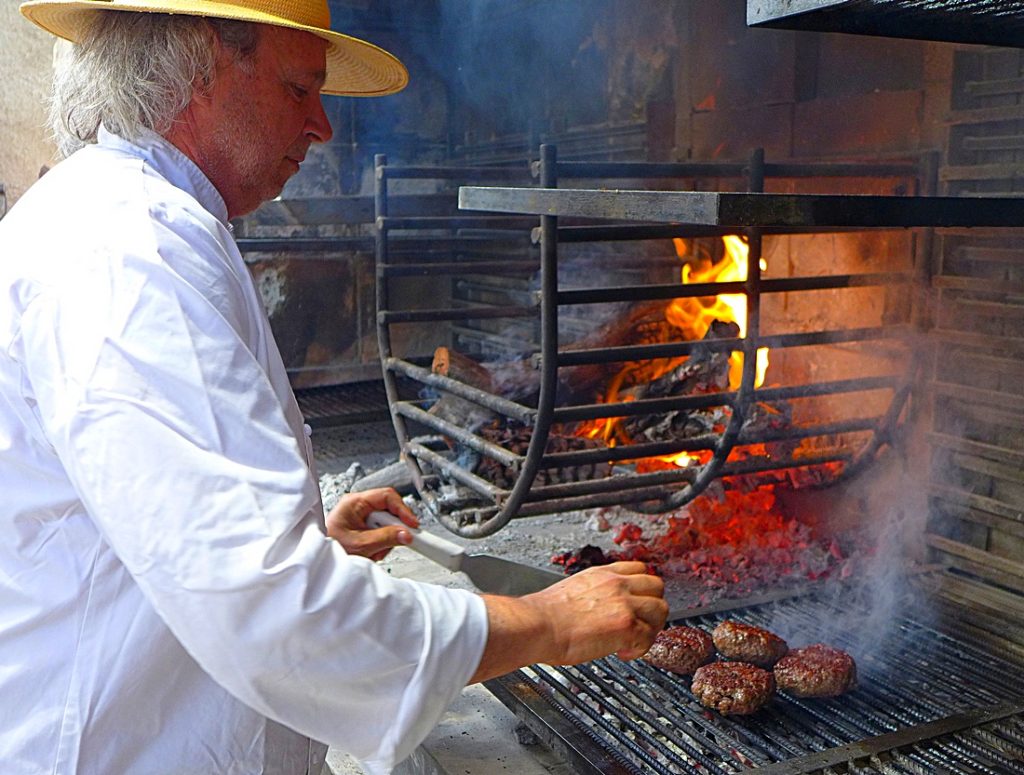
680,649
746,643
733,688
816,671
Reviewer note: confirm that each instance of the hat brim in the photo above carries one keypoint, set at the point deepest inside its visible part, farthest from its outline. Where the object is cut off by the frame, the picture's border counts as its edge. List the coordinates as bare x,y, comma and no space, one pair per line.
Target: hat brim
355,68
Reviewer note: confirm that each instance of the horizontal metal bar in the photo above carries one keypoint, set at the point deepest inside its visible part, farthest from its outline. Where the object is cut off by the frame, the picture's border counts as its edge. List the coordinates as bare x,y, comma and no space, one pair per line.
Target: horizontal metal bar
455,173
586,357
494,222
979,285
305,244
993,143
764,465
840,336
388,317
621,232
691,290
630,451
433,268
707,400
595,500
500,405
641,407
854,425
991,87
788,392
873,746
644,292
1003,345
455,471
1006,511
632,232
750,209
461,435
616,483
591,356
418,244
569,169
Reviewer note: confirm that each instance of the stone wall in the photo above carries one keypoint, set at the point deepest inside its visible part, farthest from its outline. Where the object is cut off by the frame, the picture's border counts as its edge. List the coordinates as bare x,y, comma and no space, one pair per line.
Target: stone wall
26,56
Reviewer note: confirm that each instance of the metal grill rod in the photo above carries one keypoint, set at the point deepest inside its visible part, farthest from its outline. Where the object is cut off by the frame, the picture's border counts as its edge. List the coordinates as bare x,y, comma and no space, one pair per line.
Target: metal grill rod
927,701
524,498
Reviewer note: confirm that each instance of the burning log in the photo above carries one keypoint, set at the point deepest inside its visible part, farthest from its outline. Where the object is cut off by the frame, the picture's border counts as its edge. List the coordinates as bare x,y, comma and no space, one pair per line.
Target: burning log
644,324
450,363
705,371
513,380
519,381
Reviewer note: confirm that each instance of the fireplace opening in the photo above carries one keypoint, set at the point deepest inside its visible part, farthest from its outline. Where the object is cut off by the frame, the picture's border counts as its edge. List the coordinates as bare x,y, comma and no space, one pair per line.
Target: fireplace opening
642,362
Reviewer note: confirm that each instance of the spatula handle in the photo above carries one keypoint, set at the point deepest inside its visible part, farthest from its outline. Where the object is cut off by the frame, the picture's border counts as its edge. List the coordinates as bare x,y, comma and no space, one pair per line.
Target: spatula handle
429,545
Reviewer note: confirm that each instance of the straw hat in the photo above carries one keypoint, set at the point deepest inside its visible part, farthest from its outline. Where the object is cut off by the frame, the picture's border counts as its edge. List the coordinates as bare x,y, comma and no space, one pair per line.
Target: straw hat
354,67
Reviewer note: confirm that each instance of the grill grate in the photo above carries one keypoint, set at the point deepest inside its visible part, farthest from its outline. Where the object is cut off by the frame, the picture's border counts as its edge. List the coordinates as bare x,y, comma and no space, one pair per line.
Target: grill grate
355,402
926,702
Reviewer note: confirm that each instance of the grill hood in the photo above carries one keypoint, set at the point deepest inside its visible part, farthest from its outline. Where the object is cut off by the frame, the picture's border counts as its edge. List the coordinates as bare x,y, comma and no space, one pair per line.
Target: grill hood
989,22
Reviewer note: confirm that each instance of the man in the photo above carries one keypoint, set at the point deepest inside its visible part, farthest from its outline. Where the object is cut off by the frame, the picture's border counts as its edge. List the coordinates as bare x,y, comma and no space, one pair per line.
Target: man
172,598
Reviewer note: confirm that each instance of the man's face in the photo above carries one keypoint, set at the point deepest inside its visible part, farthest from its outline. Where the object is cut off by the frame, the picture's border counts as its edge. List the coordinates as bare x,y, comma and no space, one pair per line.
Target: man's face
261,118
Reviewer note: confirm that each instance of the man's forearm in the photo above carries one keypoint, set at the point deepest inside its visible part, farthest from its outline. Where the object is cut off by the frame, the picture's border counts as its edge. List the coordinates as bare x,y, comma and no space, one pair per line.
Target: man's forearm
617,609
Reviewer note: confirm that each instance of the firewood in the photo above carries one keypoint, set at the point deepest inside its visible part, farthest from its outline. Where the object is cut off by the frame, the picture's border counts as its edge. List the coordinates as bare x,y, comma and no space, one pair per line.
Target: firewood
643,324
705,371
449,363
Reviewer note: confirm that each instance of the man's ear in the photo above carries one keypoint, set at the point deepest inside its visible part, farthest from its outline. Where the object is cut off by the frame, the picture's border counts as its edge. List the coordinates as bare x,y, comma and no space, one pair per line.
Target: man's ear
224,57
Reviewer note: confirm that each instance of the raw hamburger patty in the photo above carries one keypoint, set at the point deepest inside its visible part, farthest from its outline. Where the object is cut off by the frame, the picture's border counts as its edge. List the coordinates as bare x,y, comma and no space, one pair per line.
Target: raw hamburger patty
733,688
680,649
816,671
745,643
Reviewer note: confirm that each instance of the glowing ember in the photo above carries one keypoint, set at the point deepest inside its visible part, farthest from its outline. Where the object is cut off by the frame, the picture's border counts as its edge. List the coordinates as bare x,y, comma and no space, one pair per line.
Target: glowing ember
740,542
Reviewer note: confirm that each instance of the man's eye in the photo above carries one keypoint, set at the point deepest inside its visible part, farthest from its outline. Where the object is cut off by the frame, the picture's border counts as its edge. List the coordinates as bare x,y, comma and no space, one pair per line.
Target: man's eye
299,91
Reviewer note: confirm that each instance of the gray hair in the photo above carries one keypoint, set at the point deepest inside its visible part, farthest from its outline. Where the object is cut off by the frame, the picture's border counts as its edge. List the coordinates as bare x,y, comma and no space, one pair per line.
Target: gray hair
133,71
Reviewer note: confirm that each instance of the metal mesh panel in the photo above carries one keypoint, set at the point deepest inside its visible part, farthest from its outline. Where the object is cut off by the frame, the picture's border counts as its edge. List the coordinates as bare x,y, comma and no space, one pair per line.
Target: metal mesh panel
926,702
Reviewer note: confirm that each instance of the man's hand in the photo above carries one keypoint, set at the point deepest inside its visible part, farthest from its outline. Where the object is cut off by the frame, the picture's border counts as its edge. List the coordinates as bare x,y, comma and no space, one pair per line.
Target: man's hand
609,609
346,523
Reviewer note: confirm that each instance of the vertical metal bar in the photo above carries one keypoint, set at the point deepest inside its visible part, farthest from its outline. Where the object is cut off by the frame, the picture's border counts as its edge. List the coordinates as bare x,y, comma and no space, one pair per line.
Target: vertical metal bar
744,396
380,208
548,351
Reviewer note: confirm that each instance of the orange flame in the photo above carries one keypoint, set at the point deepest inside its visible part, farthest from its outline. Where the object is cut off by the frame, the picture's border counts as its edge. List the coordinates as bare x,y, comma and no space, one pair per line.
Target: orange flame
694,316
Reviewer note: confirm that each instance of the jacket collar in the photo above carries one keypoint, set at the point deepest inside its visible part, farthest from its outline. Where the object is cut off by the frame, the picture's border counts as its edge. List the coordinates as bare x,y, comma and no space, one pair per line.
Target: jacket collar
172,164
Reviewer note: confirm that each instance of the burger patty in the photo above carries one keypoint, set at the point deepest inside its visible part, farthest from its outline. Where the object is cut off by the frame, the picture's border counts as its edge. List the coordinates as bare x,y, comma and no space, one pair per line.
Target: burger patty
746,643
680,649
733,688
816,671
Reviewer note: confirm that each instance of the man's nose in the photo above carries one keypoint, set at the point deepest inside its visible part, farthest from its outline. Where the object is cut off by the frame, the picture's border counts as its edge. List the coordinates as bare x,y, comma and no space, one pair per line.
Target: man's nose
318,126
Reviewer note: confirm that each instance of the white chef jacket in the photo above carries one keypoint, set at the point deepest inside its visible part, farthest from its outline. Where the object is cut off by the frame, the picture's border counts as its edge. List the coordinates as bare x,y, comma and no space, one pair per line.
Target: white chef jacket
169,603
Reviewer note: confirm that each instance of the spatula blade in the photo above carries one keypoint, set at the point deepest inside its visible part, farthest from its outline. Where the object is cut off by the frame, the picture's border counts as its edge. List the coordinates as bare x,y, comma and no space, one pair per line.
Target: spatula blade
498,576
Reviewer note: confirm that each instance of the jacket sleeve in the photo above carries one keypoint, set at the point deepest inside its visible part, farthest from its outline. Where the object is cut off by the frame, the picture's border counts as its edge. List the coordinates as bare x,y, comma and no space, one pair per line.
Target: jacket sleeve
179,449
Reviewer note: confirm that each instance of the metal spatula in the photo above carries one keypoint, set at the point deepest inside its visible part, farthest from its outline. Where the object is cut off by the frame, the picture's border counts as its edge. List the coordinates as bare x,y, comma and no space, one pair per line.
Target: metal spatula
489,574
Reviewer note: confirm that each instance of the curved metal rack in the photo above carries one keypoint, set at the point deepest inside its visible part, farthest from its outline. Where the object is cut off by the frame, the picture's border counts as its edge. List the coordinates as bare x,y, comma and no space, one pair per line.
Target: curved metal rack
661,214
